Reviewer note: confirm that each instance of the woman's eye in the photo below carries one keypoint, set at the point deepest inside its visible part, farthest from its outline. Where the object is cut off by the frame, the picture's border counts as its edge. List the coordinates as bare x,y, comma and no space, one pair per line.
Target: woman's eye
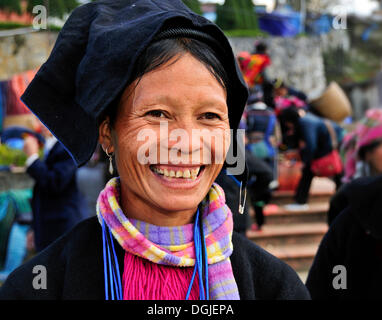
156,113
210,116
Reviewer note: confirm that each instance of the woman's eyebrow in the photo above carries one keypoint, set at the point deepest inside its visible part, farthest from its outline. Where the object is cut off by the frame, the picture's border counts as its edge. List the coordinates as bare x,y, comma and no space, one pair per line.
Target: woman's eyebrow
167,100
214,102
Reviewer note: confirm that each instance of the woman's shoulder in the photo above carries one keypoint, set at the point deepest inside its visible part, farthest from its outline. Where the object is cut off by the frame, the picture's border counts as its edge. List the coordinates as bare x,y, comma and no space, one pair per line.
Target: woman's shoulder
271,278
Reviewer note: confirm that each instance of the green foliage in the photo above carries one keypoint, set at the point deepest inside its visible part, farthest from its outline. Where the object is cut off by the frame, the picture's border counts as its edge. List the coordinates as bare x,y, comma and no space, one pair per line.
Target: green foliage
224,17
12,25
245,33
237,14
350,67
56,8
15,157
10,5
9,156
194,5
54,28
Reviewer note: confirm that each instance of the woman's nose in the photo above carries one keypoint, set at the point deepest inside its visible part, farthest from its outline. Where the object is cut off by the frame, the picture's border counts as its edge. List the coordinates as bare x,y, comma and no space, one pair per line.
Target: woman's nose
182,141
185,138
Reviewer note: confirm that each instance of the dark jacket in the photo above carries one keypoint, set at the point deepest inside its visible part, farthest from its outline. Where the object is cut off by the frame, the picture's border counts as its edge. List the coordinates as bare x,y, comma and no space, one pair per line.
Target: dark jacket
315,134
57,204
339,202
354,241
74,268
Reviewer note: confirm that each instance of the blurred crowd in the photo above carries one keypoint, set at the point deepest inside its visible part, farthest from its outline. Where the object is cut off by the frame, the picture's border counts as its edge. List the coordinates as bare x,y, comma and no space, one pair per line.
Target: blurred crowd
350,155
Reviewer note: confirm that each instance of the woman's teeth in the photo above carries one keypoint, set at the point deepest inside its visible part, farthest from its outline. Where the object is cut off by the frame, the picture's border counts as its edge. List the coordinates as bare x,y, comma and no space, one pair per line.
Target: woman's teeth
185,174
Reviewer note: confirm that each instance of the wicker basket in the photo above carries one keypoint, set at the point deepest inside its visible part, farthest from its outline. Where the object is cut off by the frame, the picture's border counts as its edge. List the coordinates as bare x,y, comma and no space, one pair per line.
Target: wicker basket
333,104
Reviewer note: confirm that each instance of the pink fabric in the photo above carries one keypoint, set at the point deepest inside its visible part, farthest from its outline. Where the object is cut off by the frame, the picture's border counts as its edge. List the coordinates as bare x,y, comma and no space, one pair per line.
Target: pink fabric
145,280
368,130
286,102
16,86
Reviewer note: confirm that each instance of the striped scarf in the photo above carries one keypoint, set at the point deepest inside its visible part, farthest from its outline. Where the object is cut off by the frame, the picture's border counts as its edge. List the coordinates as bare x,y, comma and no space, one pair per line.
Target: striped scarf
174,246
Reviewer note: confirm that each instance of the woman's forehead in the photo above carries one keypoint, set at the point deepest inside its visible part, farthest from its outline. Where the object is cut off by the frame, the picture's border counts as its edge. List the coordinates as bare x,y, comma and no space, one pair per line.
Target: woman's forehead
185,81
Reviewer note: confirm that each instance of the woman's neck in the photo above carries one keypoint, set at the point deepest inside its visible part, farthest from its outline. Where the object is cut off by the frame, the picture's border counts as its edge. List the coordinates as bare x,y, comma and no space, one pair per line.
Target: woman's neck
135,207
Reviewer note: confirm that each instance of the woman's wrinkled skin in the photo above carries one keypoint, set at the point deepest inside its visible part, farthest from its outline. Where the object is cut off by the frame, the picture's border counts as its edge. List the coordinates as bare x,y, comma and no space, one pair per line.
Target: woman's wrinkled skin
187,96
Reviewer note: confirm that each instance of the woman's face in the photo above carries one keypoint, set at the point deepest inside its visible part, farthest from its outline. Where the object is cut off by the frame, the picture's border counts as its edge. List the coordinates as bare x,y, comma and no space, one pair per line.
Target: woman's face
374,158
160,140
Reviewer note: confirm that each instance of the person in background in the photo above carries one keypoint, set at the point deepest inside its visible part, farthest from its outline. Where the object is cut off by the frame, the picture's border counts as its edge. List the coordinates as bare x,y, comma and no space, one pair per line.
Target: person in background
92,177
348,263
363,158
259,62
281,89
314,139
261,127
57,204
285,97
262,132
266,85
259,187
253,67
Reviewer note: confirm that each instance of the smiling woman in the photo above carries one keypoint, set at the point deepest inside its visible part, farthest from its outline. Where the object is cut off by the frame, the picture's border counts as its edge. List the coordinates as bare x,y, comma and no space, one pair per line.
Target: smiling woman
126,70
197,101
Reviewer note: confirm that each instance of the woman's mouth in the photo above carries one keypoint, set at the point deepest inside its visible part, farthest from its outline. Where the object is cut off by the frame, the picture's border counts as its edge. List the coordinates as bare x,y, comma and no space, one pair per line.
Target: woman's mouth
175,176
172,172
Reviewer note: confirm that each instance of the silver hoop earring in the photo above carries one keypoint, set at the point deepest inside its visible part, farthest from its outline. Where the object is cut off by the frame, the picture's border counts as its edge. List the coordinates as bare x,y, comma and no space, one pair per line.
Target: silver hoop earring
111,169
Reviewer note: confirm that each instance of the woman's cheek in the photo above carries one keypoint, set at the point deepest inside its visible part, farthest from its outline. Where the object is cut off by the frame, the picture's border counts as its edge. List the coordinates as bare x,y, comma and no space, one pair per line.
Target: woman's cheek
126,154
227,141
221,145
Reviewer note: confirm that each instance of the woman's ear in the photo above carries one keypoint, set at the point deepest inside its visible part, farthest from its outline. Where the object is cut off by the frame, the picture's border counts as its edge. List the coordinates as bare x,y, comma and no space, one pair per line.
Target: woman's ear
105,138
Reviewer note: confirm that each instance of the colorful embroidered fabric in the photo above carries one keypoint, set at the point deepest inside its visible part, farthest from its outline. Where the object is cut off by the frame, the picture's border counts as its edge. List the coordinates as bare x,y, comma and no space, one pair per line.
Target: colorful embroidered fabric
252,67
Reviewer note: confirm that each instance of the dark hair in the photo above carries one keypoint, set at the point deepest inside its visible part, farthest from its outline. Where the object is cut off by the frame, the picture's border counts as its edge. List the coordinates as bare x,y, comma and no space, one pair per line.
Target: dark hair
289,114
278,83
369,148
161,52
261,48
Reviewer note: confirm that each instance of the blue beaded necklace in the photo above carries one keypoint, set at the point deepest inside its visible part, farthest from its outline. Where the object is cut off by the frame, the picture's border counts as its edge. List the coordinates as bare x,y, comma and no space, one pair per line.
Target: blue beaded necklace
112,278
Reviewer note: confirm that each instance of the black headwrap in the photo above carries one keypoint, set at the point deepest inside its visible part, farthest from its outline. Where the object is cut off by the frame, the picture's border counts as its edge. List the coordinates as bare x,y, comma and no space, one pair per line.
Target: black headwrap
93,58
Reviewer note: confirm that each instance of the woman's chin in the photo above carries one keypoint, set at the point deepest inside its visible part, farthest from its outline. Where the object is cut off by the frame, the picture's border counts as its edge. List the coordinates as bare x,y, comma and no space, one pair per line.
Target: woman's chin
178,206
177,201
